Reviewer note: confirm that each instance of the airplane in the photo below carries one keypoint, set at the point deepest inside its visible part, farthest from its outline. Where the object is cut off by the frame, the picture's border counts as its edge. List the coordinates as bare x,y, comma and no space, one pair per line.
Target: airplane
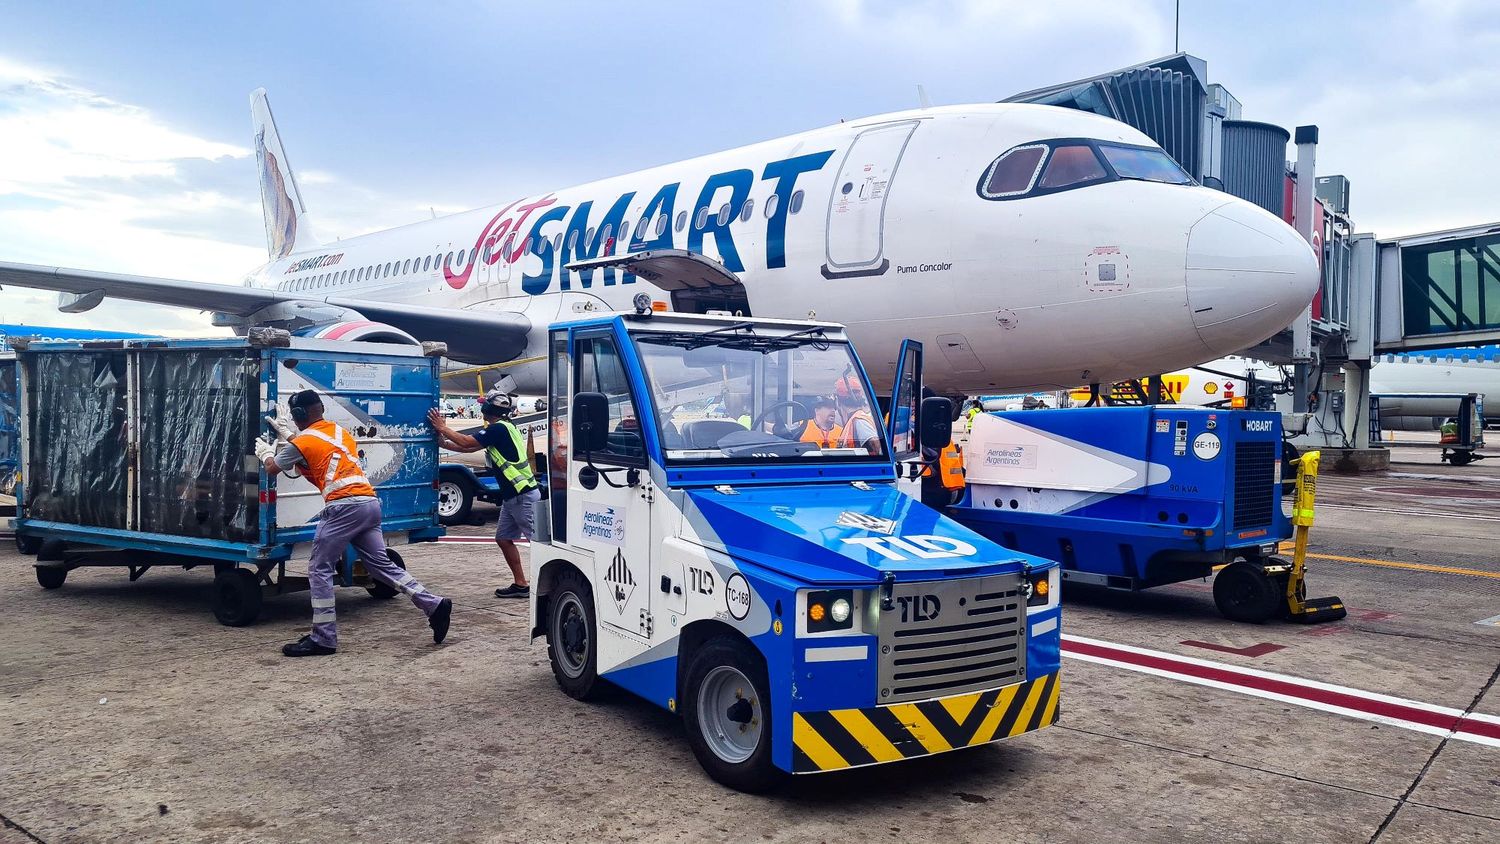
1029,247
1455,371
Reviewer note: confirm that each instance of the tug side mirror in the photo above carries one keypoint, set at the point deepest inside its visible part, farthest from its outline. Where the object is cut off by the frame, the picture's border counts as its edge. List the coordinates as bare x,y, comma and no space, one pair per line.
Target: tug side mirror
590,422
936,420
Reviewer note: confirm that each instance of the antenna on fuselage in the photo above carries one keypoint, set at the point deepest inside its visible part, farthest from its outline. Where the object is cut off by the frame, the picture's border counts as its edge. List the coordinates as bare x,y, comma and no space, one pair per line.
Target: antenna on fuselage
922,99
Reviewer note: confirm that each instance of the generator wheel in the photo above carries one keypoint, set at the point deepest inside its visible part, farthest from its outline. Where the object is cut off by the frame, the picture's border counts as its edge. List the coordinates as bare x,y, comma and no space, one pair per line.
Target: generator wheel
51,577
1243,592
728,714
572,636
380,589
236,599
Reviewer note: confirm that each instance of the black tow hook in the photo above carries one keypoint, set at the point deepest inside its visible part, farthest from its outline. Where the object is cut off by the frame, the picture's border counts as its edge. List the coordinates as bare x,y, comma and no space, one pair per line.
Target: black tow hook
887,592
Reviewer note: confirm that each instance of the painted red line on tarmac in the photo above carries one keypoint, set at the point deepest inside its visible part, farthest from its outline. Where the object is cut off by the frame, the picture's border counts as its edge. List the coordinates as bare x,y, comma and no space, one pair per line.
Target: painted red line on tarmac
1258,649
1289,687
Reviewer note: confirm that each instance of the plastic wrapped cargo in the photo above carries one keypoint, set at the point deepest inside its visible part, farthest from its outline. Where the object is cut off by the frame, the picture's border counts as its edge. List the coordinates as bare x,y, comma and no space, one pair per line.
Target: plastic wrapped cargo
197,414
78,443
10,428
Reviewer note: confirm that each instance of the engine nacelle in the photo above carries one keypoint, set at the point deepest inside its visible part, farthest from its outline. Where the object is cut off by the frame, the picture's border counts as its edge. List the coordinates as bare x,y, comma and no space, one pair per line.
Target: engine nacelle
361,330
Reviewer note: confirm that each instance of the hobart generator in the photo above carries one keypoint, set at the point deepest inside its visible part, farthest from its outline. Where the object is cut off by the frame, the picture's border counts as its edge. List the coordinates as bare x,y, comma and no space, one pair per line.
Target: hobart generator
1135,497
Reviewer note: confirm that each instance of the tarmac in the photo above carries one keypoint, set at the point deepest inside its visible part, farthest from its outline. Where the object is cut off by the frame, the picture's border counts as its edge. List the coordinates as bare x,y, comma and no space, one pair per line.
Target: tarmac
128,713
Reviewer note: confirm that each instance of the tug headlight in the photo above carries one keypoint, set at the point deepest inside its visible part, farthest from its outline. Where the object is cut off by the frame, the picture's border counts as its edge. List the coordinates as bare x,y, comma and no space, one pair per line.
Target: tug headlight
831,609
840,611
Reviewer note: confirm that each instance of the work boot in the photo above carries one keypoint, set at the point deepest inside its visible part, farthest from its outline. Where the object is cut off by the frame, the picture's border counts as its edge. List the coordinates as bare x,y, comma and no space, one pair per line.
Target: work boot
307,647
513,591
439,619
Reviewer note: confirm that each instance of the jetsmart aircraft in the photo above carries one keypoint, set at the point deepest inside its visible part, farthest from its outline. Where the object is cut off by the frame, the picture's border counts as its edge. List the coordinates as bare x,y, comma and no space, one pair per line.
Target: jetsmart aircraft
1029,247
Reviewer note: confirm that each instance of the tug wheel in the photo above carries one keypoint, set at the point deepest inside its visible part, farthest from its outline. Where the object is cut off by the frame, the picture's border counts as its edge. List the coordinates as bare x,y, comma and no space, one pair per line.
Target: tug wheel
728,714
572,636
1243,592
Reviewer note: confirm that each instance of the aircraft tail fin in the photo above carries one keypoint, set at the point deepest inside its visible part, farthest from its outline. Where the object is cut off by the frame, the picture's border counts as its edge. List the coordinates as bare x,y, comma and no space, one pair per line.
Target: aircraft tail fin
287,228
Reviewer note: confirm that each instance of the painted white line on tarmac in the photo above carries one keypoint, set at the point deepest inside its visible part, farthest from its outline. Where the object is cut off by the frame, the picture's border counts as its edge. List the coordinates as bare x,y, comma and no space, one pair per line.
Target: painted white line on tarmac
1413,715
1426,514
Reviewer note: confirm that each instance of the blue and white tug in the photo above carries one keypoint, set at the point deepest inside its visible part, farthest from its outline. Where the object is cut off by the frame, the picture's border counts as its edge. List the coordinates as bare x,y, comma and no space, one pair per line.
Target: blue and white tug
800,612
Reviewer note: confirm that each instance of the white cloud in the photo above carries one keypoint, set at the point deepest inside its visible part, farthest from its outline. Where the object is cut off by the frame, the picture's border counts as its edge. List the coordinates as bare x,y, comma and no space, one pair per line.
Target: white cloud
86,181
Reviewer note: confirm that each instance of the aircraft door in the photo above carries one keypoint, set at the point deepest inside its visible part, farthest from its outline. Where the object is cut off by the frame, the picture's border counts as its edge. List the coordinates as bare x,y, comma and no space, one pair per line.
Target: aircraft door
608,505
856,207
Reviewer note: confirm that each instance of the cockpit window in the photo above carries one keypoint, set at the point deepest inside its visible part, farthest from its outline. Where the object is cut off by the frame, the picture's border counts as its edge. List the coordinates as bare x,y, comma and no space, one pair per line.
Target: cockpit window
1152,165
1043,167
1072,165
1015,172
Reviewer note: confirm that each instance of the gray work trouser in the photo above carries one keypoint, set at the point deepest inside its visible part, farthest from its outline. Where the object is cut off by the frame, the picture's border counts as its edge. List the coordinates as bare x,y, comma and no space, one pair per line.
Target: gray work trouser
356,522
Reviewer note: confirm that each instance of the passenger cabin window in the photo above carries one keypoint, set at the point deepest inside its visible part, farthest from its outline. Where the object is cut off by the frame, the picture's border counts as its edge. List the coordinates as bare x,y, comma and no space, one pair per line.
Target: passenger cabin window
724,214
771,203
426,263
406,267
747,210
661,225
1014,172
796,204
1072,165
600,370
681,220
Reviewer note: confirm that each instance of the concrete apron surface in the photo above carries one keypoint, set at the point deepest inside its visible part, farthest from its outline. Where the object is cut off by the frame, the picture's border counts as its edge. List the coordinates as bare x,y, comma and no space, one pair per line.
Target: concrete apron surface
129,714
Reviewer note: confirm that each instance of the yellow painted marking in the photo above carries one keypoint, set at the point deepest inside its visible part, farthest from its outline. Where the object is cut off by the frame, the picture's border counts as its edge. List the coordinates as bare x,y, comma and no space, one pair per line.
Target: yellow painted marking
986,731
1399,565
1028,708
815,746
1049,712
865,733
959,706
920,728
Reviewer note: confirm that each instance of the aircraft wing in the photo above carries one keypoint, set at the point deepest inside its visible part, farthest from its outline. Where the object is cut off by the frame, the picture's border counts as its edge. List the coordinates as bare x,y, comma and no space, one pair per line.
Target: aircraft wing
472,336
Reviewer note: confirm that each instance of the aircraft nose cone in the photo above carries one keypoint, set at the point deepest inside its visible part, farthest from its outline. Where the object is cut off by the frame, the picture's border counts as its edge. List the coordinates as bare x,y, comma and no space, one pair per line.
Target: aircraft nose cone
1248,276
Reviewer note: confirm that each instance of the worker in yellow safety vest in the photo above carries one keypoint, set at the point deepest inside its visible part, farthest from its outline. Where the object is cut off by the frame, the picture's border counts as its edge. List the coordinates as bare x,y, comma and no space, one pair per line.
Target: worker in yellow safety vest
506,452
328,456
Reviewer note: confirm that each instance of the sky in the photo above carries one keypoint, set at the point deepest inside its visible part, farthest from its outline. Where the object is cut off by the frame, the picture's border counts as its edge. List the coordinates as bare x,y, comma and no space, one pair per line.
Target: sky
125,129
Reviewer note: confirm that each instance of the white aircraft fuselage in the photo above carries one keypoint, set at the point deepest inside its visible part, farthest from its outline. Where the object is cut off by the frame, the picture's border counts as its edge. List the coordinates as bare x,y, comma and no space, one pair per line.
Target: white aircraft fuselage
879,224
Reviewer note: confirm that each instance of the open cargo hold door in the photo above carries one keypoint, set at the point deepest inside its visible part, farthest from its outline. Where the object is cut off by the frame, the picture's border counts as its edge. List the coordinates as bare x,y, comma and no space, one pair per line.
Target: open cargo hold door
697,283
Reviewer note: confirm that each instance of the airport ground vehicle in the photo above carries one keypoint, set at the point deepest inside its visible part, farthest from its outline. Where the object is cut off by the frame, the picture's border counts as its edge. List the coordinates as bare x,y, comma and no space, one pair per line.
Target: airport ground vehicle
139,453
799,612
1135,497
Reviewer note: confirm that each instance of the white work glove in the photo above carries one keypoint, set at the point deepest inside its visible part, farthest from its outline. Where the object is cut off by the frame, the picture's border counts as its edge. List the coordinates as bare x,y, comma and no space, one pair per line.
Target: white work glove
264,451
284,430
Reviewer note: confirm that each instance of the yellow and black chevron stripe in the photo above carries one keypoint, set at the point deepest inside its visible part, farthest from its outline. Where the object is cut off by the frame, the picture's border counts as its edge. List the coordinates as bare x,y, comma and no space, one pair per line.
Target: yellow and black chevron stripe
849,738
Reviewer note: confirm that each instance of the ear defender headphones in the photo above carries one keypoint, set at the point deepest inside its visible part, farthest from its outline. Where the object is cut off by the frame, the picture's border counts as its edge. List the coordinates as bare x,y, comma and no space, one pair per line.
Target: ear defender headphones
299,404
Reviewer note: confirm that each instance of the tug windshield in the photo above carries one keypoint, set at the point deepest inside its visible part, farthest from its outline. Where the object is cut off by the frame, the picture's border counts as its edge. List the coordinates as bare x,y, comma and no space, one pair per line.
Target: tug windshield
737,395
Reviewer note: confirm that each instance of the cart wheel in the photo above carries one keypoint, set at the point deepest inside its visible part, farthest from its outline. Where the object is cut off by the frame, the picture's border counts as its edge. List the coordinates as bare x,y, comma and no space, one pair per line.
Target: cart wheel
51,577
728,713
236,597
1243,592
52,550
572,636
28,545
379,589
1460,458
455,499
